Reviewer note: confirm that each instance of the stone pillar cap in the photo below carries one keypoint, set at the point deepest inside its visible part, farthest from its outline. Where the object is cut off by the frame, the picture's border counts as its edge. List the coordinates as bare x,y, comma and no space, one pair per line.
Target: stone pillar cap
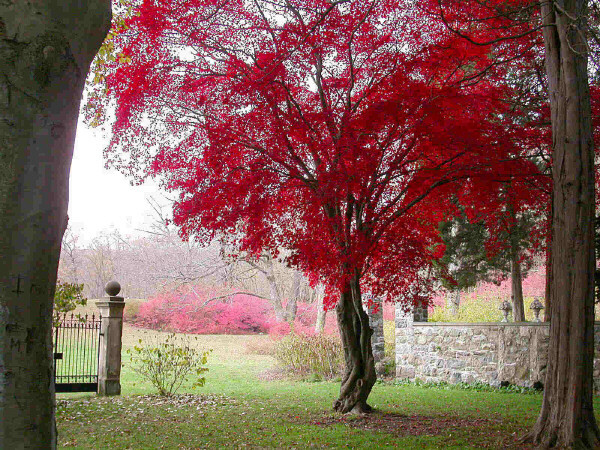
112,288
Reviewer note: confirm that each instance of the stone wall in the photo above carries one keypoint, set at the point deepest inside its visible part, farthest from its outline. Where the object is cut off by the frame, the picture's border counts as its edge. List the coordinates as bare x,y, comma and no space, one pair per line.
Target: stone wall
475,352
376,323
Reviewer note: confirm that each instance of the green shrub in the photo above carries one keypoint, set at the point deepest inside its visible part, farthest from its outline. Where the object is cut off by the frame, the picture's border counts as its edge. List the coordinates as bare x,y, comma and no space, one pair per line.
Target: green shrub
477,309
311,357
478,386
67,297
168,362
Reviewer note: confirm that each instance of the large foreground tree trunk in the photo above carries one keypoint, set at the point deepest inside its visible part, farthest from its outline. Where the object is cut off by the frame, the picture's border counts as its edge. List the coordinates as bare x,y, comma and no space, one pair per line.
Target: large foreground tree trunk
547,291
597,257
359,373
567,416
45,51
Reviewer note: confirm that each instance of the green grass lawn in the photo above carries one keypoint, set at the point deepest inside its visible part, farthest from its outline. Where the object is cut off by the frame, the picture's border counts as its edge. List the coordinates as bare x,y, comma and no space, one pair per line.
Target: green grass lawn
245,403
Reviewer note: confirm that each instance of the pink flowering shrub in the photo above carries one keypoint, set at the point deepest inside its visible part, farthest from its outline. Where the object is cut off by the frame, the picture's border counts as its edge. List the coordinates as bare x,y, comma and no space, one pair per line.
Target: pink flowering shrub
187,311
533,286
389,311
481,304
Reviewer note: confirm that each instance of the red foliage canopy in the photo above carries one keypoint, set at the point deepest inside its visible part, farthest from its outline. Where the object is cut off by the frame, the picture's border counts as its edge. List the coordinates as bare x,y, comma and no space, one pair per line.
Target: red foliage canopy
337,130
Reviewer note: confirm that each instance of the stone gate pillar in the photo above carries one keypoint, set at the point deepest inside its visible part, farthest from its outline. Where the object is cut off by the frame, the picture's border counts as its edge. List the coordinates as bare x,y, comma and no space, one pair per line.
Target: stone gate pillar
111,333
375,313
405,317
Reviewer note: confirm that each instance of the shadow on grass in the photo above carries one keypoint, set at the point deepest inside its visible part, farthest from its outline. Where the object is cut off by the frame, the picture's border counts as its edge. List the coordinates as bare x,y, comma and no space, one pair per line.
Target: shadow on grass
490,432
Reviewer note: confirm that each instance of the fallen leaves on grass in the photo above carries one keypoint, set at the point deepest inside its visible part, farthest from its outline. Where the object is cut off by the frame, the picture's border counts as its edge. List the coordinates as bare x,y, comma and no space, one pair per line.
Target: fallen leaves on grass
273,374
401,425
186,400
139,405
152,400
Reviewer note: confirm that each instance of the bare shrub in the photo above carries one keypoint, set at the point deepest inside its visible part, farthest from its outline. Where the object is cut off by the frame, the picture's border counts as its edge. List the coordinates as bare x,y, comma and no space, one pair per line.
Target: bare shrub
319,356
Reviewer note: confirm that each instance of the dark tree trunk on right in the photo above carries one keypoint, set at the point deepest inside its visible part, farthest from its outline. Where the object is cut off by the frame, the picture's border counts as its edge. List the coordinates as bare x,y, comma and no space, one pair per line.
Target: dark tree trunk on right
566,418
548,292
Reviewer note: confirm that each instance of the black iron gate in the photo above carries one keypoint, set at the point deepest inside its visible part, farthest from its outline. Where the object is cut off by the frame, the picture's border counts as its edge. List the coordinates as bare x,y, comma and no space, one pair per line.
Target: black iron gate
76,350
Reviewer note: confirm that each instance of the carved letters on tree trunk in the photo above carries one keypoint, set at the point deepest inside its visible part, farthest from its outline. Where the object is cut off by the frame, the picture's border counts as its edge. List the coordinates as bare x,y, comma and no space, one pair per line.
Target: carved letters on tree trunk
46,48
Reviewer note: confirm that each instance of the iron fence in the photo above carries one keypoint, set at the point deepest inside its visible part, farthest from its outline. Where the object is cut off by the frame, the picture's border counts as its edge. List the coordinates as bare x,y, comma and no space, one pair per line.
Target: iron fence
76,350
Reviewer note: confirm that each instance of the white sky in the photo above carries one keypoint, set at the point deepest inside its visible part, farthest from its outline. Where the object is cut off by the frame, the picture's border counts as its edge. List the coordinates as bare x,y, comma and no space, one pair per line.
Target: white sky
101,199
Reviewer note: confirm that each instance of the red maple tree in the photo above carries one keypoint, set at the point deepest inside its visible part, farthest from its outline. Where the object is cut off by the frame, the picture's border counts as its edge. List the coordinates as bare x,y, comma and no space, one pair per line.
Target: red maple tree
336,130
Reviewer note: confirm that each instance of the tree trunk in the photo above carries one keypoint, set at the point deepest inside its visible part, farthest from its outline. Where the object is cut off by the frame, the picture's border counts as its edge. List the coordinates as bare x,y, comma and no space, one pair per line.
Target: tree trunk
516,286
547,294
46,49
567,419
321,316
291,307
453,302
359,373
596,257
274,293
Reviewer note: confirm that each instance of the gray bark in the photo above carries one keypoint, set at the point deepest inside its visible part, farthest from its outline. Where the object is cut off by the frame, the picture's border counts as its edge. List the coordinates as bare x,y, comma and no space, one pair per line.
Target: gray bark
275,294
291,307
321,316
566,418
46,48
516,278
265,266
547,291
453,302
516,286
